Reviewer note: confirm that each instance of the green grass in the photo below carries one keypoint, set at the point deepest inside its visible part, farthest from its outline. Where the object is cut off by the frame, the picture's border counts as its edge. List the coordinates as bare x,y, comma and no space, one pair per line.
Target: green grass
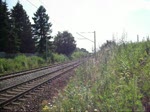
79,54
20,63
118,81
59,57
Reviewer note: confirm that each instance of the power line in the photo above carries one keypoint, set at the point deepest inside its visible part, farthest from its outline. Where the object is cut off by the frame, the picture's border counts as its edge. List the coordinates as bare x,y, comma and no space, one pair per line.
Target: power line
32,4
41,2
84,37
43,5
90,40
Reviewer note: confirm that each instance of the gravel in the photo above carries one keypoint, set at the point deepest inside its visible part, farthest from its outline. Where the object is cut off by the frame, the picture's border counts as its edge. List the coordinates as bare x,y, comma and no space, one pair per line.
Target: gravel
34,103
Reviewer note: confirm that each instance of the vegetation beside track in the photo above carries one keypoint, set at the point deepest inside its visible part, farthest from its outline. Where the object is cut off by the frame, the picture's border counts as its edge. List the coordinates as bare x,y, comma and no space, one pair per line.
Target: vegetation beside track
118,81
22,62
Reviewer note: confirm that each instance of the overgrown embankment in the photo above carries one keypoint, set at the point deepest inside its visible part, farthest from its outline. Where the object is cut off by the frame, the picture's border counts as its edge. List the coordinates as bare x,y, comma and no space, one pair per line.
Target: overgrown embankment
118,81
22,62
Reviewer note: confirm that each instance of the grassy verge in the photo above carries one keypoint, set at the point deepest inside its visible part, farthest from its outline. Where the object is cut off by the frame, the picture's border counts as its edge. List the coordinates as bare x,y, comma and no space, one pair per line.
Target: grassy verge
20,63
118,81
23,62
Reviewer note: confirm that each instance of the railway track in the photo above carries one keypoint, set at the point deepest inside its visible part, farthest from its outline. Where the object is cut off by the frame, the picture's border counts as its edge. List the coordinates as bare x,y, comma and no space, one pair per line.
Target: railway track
16,74
15,88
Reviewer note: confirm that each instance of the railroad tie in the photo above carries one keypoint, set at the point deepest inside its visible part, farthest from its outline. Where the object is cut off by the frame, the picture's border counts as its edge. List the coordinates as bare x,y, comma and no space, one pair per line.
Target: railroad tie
2,98
37,90
22,99
19,90
27,96
41,88
12,92
15,103
33,93
7,108
5,95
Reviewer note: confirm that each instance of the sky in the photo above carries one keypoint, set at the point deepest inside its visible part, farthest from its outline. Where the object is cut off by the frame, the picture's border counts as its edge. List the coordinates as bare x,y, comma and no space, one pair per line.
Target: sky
109,18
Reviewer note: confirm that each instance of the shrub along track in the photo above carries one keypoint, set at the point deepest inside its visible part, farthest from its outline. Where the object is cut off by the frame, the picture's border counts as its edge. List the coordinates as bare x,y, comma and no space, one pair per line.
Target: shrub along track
15,89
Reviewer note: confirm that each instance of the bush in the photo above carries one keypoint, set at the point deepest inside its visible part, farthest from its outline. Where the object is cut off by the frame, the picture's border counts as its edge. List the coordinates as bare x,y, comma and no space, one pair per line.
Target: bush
59,57
78,54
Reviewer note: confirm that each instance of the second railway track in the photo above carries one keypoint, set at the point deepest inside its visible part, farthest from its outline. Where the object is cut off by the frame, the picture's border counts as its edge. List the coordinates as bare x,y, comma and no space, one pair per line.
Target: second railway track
10,92
16,74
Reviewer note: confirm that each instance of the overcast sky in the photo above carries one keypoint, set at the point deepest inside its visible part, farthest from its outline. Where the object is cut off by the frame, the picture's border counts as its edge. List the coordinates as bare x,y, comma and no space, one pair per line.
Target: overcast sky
106,17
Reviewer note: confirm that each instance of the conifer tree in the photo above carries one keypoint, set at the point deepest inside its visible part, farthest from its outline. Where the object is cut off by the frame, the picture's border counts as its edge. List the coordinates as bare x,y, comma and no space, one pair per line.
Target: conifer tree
41,29
23,26
4,25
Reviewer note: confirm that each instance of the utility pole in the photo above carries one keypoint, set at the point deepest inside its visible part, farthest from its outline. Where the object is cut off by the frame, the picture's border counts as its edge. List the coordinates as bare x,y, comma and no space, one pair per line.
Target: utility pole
46,49
137,38
95,44
91,40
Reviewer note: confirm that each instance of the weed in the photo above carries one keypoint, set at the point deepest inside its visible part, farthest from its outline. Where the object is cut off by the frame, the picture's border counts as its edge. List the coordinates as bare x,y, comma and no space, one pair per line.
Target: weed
118,81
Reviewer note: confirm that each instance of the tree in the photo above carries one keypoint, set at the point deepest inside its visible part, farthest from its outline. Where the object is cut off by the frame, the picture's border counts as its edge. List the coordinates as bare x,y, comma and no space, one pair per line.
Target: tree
4,25
13,42
64,43
41,29
23,25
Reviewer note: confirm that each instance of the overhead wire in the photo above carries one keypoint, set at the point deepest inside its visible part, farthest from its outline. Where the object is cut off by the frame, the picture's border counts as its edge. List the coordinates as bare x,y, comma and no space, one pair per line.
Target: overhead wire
44,6
84,37
31,3
60,25
42,2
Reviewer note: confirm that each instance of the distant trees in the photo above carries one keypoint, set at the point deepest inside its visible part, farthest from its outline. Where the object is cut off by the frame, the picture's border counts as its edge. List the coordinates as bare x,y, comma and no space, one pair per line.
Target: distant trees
64,43
41,29
82,50
15,30
4,25
23,25
17,35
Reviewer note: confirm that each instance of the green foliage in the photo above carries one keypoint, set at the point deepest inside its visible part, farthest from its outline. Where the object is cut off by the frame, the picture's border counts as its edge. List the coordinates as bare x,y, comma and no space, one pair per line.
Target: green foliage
59,57
4,26
41,29
23,29
117,81
20,63
78,54
64,43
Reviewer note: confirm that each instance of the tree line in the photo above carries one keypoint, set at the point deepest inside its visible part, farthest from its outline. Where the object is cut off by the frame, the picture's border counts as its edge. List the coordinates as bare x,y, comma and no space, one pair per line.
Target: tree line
18,35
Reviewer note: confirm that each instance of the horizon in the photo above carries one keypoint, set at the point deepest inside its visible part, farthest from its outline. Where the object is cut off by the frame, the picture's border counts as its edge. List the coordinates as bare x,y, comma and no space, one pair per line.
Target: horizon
109,18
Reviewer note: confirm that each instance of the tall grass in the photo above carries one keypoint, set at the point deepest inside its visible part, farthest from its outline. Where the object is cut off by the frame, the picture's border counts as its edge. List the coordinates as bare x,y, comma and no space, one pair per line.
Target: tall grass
118,81
23,62
59,57
20,63
79,54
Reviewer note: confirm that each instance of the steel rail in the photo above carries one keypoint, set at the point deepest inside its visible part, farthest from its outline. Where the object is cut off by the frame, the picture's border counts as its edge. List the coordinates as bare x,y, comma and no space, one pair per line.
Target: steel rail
5,89
15,97
16,74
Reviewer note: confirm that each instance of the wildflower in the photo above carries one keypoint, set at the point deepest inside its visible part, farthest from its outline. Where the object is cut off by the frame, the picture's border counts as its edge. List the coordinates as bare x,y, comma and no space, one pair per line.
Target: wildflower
61,110
71,110
95,110
54,106
46,108
51,105
89,106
